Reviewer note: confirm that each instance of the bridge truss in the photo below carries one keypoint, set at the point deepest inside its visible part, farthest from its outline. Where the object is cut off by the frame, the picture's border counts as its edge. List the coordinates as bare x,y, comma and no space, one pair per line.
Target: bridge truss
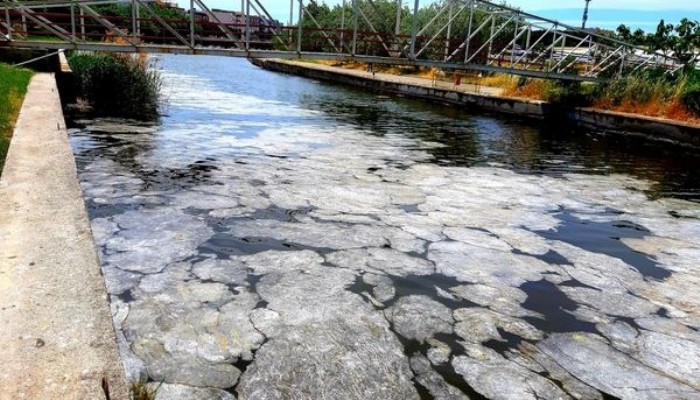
460,34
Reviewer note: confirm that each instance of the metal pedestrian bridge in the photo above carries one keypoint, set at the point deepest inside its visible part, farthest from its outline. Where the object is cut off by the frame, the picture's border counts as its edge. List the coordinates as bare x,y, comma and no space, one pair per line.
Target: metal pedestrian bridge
452,34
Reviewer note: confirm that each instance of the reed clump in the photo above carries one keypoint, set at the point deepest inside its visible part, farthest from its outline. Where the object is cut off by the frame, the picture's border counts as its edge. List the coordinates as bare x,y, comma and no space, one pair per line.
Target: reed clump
13,87
118,85
654,93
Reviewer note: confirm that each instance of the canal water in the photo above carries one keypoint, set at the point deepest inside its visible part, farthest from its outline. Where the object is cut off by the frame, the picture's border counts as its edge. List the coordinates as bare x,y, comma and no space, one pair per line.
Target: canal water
275,237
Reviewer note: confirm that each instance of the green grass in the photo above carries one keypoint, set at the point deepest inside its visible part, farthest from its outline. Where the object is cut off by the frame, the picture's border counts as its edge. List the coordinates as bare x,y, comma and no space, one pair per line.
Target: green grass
13,87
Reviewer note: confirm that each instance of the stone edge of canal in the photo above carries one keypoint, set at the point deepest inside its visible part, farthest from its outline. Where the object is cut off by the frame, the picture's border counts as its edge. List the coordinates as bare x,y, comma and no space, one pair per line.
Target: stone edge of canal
57,333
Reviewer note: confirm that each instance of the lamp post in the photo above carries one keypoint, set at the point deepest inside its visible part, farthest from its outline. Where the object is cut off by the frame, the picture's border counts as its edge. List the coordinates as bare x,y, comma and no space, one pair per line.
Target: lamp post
585,15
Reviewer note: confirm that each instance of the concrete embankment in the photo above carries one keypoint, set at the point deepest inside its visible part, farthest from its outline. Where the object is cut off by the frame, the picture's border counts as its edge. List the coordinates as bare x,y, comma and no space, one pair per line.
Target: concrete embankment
56,329
475,97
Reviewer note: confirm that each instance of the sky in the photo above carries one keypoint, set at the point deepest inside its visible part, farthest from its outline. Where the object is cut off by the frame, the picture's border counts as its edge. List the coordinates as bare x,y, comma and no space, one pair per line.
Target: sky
644,14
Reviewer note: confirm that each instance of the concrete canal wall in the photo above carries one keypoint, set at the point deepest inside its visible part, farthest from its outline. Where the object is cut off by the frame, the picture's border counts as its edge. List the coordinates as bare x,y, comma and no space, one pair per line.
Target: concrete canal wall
472,97
56,329
616,122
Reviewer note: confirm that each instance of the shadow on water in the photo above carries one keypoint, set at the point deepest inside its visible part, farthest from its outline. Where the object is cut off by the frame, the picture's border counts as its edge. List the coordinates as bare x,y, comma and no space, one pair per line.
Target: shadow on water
605,238
555,307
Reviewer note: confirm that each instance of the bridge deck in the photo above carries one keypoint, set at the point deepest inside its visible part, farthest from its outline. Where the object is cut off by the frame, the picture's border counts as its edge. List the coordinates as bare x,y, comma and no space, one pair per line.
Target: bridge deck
462,35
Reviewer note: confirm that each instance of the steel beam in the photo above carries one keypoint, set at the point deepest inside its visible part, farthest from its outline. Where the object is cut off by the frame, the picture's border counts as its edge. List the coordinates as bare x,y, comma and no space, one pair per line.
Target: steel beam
170,49
497,18
414,26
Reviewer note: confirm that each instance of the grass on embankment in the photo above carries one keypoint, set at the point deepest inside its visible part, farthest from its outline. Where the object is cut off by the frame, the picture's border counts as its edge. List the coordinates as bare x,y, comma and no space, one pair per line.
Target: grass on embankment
13,87
652,93
118,85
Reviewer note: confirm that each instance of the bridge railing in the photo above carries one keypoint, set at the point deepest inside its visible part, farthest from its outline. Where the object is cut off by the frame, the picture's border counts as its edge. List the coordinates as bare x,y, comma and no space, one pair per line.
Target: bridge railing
457,34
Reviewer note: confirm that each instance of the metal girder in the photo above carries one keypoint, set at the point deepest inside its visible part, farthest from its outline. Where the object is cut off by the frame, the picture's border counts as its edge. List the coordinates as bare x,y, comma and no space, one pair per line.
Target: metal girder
325,35
448,24
560,51
170,49
371,27
470,35
393,35
39,20
222,27
549,50
610,56
556,66
512,43
163,23
489,41
102,20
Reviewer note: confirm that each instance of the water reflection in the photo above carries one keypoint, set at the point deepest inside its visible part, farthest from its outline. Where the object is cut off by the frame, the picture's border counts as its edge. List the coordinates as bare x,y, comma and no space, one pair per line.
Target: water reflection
472,138
465,138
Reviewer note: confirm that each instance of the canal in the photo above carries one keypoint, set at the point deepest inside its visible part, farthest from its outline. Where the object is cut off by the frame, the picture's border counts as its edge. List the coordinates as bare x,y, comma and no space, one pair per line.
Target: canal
274,237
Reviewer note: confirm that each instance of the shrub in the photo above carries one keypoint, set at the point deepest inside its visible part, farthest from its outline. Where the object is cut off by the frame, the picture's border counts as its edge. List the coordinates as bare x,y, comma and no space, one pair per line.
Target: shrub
560,92
118,85
655,93
690,93
691,96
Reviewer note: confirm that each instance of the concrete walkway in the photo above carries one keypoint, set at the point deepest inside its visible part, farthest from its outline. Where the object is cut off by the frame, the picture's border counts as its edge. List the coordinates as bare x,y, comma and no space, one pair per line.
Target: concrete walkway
55,325
401,79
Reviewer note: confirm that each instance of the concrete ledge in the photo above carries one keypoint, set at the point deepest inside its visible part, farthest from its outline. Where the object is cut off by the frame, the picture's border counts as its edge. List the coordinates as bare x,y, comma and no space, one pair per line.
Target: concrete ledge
56,329
463,95
472,97
624,123
63,62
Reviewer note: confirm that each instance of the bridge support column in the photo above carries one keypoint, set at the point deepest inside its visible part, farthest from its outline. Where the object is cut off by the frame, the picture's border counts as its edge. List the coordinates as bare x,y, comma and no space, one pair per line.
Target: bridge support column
9,24
247,24
72,22
467,43
291,21
133,18
192,16
301,20
82,24
414,27
354,27
246,18
449,31
342,28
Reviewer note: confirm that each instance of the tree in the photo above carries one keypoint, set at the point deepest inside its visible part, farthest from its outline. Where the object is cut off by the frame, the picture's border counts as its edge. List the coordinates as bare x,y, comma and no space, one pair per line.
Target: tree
639,38
624,33
663,39
687,42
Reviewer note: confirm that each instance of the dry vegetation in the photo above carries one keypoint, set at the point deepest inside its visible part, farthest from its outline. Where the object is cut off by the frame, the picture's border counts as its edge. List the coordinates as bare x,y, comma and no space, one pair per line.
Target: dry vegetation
140,391
651,93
